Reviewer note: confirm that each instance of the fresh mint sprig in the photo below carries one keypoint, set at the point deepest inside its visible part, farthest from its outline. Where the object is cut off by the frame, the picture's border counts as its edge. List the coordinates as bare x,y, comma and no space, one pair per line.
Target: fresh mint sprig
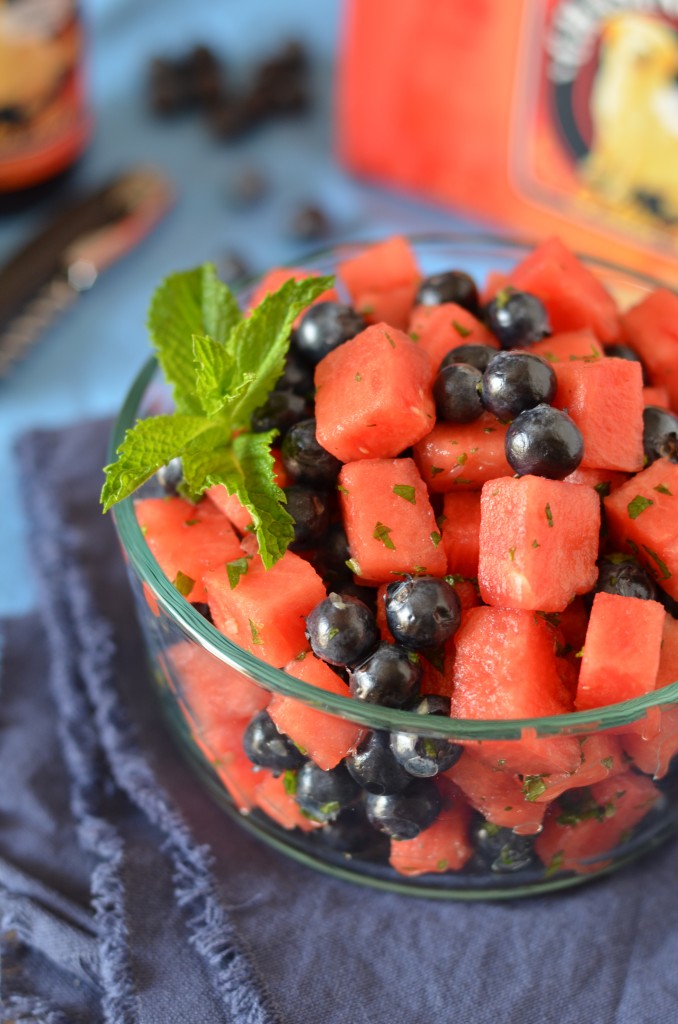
221,366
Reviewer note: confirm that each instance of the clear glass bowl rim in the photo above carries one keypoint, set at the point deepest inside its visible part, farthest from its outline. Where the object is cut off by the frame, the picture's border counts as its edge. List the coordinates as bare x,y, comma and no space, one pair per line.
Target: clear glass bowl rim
141,560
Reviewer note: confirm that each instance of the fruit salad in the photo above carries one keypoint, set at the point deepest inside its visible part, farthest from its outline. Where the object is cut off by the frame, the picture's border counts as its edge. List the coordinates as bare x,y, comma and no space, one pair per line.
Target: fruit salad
449,498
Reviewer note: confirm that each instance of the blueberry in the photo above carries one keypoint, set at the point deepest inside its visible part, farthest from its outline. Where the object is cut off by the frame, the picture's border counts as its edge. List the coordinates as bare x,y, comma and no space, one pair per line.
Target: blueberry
268,748
500,849
456,392
304,457
475,355
450,286
374,767
660,434
349,833
297,375
422,611
516,381
626,352
425,756
330,557
171,476
310,510
390,676
324,794
624,576
203,609
342,630
324,327
404,815
517,319
280,411
545,442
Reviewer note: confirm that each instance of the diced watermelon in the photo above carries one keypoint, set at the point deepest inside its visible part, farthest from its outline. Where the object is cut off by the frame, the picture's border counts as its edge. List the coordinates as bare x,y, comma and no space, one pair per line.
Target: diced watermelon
605,400
187,539
641,517
239,776
621,651
573,296
324,737
273,798
265,612
276,278
439,329
505,667
583,839
497,794
461,532
359,386
569,345
651,329
538,542
462,456
602,757
444,845
657,396
213,691
653,755
604,481
383,278
389,522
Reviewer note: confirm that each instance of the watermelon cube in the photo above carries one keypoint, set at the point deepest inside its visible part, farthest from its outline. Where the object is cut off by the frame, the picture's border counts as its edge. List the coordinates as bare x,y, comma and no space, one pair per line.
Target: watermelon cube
389,522
497,794
462,456
439,329
265,610
573,296
651,329
276,278
653,754
274,798
621,651
373,395
187,540
461,532
324,737
641,516
538,542
382,281
569,345
605,399
581,838
505,667
444,845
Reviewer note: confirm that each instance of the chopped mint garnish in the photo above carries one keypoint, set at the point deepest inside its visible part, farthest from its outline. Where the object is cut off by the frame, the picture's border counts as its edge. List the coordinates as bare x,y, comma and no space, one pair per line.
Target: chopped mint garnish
289,781
353,566
603,488
435,470
382,533
638,505
435,538
221,367
462,459
406,491
549,514
462,331
533,786
661,565
389,339
254,630
663,489
183,583
237,568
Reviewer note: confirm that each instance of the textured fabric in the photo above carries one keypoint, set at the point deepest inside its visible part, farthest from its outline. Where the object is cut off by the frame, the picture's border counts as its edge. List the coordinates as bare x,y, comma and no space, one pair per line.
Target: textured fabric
176,914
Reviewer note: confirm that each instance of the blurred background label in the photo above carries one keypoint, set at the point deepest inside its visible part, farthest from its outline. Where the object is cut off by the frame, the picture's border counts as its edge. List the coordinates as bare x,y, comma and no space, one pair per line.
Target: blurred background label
43,119
554,116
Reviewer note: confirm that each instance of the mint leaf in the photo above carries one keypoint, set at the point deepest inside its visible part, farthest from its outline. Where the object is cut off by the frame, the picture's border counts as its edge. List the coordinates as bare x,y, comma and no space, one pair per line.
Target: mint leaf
214,374
638,505
149,445
188,303
259,343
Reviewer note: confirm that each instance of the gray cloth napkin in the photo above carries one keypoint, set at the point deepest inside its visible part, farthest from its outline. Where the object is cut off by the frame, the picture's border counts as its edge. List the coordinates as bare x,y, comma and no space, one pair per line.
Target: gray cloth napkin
126,895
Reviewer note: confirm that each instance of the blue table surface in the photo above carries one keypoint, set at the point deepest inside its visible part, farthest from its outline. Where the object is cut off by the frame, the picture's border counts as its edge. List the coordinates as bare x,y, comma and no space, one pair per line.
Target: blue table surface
85,361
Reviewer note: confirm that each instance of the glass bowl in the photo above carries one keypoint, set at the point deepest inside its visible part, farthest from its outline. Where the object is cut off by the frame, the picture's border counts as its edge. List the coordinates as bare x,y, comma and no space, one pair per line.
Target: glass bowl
505,827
